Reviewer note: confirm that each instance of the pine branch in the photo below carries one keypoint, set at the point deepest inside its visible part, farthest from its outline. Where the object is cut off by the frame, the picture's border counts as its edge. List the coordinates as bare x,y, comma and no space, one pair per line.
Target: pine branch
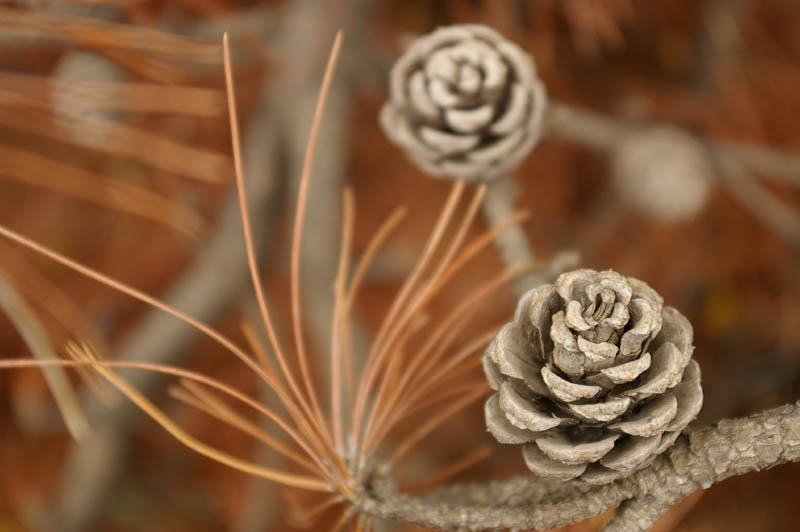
699,459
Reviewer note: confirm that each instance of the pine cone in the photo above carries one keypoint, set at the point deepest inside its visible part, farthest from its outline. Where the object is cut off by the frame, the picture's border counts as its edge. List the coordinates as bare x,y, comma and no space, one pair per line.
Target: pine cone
663,173
594,376
465,103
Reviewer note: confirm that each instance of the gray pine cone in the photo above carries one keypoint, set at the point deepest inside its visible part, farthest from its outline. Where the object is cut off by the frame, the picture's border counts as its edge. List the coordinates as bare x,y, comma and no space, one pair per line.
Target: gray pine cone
465,103
594,376
663,173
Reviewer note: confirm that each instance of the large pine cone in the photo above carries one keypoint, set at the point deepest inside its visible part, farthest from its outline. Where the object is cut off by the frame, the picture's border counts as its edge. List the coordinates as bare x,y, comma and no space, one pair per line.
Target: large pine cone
465,103
594,376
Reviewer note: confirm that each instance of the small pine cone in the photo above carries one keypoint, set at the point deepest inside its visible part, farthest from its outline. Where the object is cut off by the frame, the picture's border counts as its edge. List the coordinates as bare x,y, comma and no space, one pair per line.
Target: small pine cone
86,120
663,173
594,376
465,103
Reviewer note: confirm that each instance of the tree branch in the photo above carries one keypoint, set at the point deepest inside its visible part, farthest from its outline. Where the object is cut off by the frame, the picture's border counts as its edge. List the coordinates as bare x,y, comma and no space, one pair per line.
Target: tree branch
698,460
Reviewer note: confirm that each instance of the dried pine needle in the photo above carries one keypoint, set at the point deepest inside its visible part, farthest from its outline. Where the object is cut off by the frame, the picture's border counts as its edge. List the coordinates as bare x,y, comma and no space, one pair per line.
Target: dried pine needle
136,97
93,32
27,324
287,479
123,140
38,170
398,375
314,417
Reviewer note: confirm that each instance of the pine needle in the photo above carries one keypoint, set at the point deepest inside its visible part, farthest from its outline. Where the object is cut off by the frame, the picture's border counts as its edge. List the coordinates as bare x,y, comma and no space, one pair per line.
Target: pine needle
193,395
96,33
389,328
287,479
40,171
259,349
81,360
297,231
136,294
39,91
37,289
315,417
339,317
148,147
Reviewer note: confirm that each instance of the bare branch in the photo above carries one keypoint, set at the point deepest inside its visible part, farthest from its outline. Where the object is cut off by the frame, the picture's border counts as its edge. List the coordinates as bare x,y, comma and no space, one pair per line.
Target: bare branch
698,460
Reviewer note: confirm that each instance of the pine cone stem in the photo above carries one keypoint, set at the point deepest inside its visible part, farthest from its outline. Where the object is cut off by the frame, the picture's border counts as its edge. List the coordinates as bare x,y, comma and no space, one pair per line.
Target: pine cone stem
513,245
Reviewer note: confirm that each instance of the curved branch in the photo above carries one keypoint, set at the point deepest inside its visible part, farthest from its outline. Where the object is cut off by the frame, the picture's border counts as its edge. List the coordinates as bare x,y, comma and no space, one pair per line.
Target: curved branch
384,501
640,513
698,460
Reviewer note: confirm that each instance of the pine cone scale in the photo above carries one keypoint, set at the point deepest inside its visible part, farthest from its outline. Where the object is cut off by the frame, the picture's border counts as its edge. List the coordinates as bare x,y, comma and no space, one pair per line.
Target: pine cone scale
689,395
652,419
501,428
627,371
543,466
665,371
574,451
604,412
568,391
524,413
631,453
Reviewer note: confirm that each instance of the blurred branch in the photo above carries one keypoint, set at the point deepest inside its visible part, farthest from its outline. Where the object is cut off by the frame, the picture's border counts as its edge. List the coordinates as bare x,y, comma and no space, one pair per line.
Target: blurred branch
780,218
148,147
214,281
27,324
37,91
602,132
734,162
40,171
259,21
720,42
93,32
769,162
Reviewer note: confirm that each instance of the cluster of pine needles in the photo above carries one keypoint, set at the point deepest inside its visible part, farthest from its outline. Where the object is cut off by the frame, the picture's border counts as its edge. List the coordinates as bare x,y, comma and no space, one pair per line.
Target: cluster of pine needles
419,366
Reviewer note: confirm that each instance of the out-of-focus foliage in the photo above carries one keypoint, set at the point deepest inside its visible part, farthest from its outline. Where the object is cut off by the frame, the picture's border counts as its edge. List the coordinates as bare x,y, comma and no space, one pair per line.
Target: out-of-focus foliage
123,166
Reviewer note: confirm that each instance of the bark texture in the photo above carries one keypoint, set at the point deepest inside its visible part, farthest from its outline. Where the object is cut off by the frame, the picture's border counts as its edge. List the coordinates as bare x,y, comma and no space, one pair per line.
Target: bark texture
699,459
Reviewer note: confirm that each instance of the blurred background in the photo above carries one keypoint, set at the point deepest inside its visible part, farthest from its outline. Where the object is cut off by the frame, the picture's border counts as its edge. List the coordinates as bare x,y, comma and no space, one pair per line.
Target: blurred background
115,150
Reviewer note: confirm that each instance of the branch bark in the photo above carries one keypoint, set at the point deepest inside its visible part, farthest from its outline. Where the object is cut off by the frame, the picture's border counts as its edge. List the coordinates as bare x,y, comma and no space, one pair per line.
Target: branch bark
699,459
